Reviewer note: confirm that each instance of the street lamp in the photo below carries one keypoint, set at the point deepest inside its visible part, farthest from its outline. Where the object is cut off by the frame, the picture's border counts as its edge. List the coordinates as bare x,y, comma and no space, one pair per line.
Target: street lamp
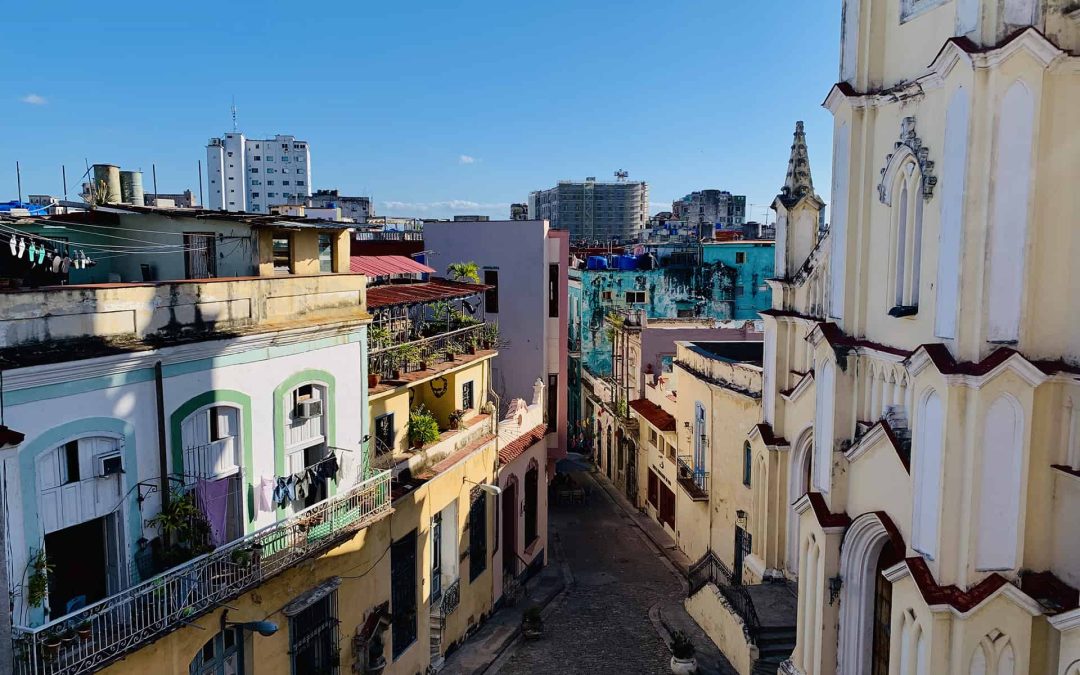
493,490
263,628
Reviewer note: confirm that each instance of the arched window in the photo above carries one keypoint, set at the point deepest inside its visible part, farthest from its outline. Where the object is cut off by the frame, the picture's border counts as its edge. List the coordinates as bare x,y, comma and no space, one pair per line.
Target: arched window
306,444
222,654
1000,485
907,239
746,471
532,486
927,468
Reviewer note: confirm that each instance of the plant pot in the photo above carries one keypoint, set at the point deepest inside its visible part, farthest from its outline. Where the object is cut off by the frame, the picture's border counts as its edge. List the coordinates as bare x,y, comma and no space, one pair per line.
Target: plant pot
532,631
68,637
471,349
397,373
372,380
423,365
84,630
683,666
449,356
50,648
417,444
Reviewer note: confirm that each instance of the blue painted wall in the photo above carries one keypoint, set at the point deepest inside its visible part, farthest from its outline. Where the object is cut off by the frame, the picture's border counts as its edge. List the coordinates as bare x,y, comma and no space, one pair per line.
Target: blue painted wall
754,266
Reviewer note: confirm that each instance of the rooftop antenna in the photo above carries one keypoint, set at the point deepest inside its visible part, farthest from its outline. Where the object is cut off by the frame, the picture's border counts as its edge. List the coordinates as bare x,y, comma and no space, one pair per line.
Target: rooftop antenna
621,175
234,114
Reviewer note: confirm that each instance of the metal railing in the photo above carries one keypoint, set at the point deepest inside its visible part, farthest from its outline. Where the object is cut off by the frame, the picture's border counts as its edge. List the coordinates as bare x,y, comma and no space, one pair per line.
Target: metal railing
695,475
411,356
126,621
451,598
711,569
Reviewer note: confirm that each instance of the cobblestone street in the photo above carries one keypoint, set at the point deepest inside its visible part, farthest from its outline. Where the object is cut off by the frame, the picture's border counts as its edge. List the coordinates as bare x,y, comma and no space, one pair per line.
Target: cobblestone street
602,624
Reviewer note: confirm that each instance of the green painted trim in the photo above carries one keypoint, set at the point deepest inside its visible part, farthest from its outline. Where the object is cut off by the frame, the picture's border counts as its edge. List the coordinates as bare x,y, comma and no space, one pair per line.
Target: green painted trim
312,376
73,387
243,401
90,426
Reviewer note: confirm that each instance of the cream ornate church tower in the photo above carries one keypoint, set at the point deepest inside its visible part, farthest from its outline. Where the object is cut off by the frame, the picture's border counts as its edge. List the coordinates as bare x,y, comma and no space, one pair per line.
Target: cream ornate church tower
922,403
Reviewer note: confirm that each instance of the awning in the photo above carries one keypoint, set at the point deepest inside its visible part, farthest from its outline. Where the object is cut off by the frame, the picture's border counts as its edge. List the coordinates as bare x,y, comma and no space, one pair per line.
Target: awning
386,265
389,295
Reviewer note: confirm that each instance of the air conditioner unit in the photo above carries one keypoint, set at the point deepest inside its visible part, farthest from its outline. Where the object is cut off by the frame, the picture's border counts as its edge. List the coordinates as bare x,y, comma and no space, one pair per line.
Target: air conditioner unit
109,465
308,409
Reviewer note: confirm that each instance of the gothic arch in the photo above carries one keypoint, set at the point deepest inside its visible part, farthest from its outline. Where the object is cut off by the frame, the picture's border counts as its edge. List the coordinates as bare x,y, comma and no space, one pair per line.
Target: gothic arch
863,543
1000,485
824,424
927,464
801,460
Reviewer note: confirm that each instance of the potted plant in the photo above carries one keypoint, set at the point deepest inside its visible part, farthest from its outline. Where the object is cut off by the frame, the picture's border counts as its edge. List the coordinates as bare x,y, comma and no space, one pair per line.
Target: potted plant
50,644
464,271
378,337
423,427
184,526
402,357
682,654
456,418
68,635
491,336
452,350
532,623
470,344
37,586
85,629
241,557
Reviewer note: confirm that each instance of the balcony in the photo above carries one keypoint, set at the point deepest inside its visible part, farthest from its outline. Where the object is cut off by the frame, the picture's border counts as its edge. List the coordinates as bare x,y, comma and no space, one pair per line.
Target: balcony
90,638
419,358
693,479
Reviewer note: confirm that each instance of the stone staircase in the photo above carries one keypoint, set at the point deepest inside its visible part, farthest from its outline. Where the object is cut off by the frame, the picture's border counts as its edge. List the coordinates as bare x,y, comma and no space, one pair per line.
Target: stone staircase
774,647
437,624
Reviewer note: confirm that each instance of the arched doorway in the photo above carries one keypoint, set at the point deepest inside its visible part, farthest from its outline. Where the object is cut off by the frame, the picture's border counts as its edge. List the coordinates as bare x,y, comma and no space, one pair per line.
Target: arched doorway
798,484
222,654
509,527
866,596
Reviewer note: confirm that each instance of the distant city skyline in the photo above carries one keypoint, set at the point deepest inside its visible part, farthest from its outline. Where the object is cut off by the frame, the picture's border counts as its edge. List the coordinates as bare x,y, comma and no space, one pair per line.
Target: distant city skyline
434,117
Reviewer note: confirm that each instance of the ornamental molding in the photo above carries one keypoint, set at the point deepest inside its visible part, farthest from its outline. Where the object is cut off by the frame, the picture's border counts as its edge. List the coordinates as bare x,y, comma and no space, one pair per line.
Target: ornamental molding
909,146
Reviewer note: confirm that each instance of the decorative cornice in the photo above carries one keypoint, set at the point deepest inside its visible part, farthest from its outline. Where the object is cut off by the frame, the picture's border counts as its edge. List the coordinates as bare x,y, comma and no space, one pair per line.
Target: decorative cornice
909,146
119,364
1065,621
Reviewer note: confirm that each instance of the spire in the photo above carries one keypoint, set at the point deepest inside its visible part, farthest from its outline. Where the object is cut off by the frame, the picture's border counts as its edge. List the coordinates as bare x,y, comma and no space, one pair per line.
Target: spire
798,183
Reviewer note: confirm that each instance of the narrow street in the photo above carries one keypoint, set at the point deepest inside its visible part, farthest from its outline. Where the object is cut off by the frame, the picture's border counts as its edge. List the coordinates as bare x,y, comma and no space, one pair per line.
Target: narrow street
601,623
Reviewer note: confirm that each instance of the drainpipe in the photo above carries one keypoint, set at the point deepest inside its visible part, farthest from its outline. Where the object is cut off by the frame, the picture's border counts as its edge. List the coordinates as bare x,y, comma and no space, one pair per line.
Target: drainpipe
163,464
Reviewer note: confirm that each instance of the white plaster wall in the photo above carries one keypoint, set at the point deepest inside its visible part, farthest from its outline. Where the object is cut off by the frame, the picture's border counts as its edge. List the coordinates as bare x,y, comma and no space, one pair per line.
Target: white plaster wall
838,225
953,184
517,248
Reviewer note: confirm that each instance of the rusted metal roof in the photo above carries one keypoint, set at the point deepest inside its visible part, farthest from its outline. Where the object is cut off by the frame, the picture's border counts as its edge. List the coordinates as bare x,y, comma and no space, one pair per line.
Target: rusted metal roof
428,291
386,265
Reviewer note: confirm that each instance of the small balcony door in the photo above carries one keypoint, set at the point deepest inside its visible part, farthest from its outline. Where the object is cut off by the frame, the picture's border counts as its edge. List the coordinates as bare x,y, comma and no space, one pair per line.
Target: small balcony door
200,255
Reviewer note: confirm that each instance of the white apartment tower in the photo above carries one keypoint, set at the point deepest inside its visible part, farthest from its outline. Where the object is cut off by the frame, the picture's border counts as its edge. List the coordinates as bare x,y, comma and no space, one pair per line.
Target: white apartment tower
253,175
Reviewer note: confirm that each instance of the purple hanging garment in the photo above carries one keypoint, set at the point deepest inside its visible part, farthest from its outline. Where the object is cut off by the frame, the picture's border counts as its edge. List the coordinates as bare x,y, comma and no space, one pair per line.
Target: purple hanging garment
214,497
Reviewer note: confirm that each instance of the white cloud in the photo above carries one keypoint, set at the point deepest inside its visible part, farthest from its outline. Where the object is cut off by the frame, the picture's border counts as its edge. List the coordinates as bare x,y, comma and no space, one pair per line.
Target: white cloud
447,207
467,159
34,99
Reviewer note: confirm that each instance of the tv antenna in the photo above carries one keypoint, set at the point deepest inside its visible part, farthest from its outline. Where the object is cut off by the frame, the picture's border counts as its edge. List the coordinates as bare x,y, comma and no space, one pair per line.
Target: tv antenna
234,114
621,175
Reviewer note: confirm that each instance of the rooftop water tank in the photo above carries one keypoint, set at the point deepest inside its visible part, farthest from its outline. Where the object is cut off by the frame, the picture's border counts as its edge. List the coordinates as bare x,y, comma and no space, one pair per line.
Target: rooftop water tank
109,176
131,188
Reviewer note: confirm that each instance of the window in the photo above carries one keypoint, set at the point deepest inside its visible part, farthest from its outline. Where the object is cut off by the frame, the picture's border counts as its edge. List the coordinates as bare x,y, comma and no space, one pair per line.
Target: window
284,182
740,257
269,158
740,291
313,638
230,155
270,170
491,295
746,463
635,297
907,243
477,534
403,608
271,195
282,251
223,653
254,169
284,159
300,171
384,434
436,557
326,253
654,438
254,195
70,466
552,400
553,290
300,182
256,181
269,182
606,296
200,255
532,484
467,395
258,158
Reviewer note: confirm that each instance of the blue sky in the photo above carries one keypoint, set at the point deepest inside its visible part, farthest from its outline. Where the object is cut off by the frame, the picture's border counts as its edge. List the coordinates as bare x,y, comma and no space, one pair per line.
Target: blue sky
433,108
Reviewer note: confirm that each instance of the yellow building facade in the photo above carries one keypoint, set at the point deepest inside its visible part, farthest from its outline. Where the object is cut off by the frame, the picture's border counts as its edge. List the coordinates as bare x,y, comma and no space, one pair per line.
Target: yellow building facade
920,366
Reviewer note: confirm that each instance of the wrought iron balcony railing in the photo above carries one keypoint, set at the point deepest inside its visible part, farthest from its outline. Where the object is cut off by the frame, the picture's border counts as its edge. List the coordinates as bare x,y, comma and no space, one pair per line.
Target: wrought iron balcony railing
451,598
711,569
108,629
426,352
694,479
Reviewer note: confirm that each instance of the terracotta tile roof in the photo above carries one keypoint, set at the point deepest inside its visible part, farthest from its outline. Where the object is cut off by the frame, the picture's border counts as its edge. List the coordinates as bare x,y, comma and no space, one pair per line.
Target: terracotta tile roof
386,265
455,457
519,445
428,291
654,414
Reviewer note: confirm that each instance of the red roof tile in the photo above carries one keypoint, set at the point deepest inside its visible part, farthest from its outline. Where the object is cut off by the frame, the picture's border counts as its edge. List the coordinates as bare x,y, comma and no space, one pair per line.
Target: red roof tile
386,265
428,291
654,414
519,445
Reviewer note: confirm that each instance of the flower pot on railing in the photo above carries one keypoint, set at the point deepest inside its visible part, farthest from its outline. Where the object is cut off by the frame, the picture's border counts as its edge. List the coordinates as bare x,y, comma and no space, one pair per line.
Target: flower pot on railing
85,629
50,646
372,380
397,373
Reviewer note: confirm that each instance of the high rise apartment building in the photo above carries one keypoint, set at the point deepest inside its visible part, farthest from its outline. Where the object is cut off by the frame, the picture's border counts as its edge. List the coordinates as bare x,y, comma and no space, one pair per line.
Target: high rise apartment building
594,210
252,175
710,209
359,209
